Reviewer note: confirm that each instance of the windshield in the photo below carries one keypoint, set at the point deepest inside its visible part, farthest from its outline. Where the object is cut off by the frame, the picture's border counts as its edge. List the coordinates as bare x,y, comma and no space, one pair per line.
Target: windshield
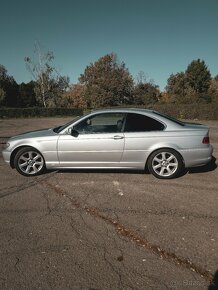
62,127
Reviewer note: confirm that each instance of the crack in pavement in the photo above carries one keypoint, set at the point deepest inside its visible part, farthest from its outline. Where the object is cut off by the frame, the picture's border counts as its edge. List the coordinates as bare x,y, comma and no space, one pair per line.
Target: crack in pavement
183,215
16,263
55,248
187,186
16,189
167,212
135,237
46,198
106,255
113,269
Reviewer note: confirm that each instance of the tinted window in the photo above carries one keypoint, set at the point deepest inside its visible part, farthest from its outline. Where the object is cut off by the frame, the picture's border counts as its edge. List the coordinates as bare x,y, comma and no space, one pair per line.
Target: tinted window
169,118
141,123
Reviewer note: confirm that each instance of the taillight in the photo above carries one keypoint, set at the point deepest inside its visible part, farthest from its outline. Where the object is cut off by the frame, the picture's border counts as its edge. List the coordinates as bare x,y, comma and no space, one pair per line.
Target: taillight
206,140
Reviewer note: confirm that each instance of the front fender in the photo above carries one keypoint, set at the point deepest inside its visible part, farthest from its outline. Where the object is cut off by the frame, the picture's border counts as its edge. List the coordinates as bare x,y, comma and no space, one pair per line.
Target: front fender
48,148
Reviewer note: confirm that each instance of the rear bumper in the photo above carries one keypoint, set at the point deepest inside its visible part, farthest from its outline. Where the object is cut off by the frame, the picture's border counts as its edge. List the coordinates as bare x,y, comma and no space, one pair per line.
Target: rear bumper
197,156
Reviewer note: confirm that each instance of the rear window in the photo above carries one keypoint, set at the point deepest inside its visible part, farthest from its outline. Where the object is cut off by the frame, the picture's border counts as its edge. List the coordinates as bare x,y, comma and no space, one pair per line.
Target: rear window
170,118
142,123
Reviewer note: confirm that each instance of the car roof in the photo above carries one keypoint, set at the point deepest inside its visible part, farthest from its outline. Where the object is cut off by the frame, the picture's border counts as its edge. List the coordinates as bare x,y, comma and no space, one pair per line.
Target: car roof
123,110
169,123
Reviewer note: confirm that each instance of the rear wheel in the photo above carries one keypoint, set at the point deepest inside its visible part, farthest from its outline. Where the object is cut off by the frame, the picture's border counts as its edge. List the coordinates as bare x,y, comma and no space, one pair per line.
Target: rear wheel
29,162
165,163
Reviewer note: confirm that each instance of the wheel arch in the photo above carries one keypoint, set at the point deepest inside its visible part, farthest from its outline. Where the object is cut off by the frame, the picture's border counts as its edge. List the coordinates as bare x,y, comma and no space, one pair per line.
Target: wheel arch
163,148
14,152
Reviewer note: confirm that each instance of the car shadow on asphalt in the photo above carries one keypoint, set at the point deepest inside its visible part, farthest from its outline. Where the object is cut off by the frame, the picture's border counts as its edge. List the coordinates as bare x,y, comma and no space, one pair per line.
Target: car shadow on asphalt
119,171
211,166
214,283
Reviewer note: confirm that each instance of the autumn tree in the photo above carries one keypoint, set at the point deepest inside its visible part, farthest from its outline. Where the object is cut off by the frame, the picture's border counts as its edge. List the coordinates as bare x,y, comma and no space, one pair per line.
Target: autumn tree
107,82
213,90
49,84
75,97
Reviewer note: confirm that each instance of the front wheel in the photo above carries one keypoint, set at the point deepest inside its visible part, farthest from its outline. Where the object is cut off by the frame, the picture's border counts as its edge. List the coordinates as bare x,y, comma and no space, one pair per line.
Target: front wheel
165,163
29,162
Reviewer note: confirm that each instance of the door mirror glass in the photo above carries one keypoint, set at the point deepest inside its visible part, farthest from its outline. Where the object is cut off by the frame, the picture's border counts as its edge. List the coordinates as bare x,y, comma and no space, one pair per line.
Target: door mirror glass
72,132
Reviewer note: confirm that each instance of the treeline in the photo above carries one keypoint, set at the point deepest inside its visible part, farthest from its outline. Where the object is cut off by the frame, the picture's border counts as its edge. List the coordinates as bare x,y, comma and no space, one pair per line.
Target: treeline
105,83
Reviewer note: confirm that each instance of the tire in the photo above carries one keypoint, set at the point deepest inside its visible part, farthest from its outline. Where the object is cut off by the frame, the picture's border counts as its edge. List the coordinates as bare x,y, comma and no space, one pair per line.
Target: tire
29,162
165,163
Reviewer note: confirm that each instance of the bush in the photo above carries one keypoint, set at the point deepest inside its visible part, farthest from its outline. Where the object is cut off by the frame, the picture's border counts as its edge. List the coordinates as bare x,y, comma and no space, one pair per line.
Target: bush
38,112
189,111
180,111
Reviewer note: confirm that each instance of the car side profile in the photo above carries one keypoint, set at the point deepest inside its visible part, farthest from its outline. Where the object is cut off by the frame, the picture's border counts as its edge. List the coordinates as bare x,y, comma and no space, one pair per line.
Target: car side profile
114,138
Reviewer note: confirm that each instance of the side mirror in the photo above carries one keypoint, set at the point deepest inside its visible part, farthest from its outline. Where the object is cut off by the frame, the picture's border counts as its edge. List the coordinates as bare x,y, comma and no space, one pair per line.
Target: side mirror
89,122
72,132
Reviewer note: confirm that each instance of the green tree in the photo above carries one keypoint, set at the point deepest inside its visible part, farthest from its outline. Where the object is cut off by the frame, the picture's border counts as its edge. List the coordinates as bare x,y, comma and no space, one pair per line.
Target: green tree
9,89
107,82
145,93
27,96
198,76
191,85
2,96
49,84
177,87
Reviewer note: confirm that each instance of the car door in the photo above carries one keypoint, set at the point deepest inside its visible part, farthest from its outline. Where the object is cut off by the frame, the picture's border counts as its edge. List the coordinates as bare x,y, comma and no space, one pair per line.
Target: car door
99,142
140,132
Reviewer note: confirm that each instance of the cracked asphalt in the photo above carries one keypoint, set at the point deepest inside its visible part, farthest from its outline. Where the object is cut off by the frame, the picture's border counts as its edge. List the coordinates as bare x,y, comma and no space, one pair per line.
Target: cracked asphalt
93,230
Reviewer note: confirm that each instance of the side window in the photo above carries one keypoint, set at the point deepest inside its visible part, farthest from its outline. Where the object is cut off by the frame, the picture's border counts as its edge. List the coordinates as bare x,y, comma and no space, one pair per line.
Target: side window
102,123
142,123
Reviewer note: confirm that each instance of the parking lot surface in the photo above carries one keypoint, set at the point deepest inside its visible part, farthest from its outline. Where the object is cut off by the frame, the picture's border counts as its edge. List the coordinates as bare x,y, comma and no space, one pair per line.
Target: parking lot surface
77,229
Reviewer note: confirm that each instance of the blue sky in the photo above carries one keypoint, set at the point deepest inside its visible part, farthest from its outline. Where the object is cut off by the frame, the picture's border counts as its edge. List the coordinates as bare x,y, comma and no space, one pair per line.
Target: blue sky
158,37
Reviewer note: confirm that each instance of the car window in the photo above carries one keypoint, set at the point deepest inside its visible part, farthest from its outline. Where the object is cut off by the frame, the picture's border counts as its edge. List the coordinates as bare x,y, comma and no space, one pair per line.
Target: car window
60,128
170,118
142,123
101,123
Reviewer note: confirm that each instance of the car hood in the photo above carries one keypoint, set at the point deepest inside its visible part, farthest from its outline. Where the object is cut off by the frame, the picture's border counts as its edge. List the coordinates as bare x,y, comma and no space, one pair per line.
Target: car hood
34,134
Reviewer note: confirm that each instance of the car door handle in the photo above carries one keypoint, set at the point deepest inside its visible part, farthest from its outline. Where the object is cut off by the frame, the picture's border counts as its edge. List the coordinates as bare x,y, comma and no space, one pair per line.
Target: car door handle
118,137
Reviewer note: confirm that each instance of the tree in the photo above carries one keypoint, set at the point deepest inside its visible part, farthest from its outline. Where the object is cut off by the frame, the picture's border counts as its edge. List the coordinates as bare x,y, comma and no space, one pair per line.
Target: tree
198,76
107,82
177,87
27,96
75,97
191,85
49,84
145,91
2,96
213,90
8,88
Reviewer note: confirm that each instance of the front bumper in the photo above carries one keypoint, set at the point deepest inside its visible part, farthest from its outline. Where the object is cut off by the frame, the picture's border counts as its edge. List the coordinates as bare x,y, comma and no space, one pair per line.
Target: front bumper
6,156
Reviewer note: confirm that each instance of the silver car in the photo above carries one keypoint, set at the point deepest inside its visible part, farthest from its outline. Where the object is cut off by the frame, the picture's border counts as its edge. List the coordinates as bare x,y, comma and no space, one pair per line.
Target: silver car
116,138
